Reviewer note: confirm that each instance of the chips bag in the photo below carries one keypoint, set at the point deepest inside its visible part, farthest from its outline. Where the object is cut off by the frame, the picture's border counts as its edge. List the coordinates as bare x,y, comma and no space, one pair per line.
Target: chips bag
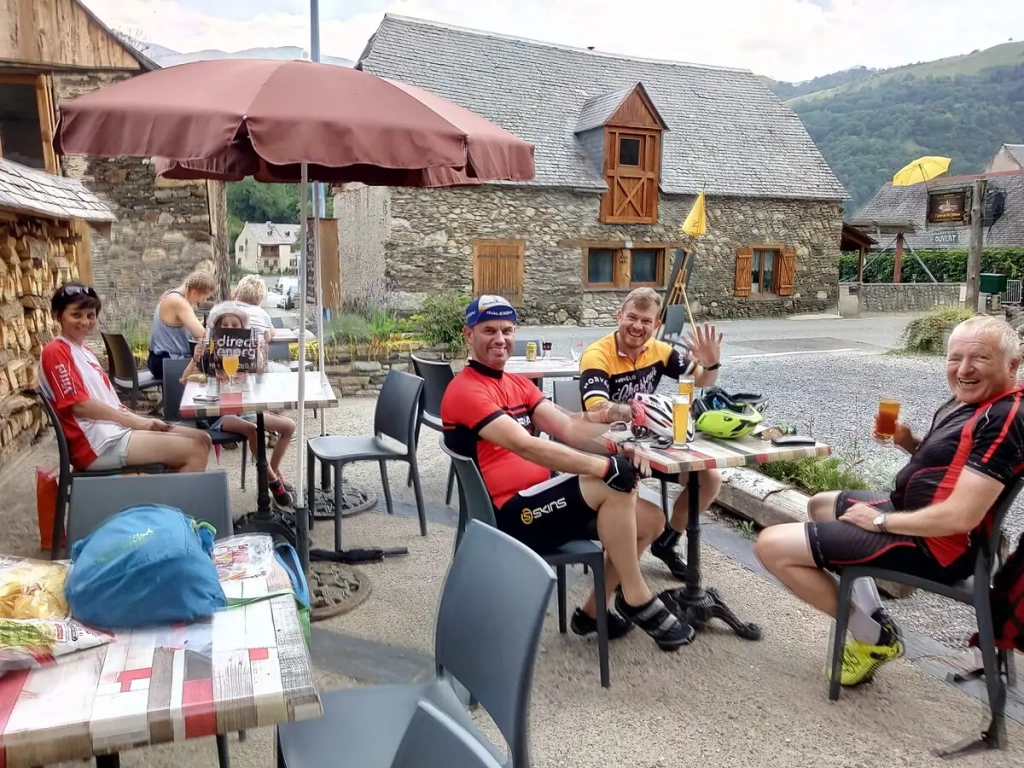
34,625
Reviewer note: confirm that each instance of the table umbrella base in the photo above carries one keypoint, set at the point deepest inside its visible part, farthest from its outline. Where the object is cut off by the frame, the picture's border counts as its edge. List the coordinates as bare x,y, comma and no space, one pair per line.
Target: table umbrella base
335,588
699,607
280,525
354,500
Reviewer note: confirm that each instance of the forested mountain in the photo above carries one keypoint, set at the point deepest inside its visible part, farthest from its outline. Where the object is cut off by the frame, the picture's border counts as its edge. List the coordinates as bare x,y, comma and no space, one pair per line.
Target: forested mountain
870,123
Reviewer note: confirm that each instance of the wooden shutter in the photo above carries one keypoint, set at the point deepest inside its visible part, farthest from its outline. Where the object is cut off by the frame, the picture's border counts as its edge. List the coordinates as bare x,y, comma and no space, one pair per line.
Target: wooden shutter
786,272
47,122
498,269
744,263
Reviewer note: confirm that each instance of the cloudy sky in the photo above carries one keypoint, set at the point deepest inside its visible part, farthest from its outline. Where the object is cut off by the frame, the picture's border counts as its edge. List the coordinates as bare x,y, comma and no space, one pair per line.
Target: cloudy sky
784,39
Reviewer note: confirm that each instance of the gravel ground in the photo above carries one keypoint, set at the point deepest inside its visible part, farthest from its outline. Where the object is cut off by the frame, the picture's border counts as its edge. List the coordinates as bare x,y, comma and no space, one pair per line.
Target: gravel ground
834,397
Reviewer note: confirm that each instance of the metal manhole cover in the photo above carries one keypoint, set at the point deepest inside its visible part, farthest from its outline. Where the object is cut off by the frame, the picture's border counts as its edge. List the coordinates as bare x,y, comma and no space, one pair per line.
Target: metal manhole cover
335,588
354,500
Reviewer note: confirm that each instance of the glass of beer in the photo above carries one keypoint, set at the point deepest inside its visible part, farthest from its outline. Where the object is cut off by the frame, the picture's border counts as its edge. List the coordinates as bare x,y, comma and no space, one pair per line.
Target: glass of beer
230,363
888,412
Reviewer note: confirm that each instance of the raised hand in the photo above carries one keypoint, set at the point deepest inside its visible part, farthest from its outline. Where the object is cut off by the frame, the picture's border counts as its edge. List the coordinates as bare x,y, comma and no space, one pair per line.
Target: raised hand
705,347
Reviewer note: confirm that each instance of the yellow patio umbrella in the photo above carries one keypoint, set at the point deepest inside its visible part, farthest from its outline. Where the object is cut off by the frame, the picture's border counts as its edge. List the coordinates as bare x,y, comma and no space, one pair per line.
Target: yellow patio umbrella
696,223
920,170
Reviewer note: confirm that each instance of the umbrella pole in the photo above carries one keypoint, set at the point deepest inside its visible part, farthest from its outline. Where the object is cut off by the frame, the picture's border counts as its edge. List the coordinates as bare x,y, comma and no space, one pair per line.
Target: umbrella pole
318,207
301,514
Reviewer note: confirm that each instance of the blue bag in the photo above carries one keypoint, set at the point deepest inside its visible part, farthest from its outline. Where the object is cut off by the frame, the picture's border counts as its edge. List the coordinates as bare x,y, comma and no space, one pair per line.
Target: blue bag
146,565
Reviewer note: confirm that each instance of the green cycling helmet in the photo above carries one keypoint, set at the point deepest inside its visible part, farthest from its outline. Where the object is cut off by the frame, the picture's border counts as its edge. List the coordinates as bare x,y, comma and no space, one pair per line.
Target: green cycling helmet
718,415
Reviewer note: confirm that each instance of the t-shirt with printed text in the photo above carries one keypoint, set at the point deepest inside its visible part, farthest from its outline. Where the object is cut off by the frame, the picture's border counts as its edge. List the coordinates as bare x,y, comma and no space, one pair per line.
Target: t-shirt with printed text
606,373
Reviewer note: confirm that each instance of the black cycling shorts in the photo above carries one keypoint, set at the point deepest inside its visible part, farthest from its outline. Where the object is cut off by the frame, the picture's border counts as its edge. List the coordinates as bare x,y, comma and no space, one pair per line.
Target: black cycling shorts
549,514
835,544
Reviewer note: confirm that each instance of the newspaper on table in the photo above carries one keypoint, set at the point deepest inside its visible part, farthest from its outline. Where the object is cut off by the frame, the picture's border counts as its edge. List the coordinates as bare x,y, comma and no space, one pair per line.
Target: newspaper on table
35,624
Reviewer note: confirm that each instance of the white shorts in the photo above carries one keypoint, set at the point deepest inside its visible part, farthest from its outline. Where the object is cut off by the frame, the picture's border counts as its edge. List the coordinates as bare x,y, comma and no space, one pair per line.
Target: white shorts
115,455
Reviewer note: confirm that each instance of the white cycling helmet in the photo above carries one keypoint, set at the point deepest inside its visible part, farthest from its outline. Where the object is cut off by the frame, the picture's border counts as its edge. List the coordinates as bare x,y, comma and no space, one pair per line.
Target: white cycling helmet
653,413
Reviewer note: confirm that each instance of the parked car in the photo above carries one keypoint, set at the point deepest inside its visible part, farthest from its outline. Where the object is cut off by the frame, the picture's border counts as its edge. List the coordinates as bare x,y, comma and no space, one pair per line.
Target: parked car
288,287
274,300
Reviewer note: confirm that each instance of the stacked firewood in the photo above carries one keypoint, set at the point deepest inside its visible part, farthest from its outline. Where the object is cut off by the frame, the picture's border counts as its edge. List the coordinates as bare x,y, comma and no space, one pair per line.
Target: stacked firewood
36,255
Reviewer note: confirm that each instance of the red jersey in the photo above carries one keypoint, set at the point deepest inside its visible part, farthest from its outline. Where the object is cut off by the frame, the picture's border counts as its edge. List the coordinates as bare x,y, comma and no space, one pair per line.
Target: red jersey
475,398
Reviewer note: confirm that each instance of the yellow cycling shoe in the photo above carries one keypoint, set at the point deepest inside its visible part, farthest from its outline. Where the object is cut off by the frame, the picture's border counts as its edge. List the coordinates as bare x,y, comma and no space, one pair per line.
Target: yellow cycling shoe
861,661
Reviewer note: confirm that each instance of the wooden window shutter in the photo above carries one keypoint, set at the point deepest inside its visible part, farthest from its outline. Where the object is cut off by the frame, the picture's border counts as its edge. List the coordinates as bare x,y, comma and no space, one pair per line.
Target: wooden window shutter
787,272
744,263
498,267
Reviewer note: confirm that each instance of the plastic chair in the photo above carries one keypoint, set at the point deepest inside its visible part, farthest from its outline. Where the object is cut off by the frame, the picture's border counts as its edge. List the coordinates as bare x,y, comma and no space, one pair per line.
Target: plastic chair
203,495
434,740
436,376
488,633
475,504
124,371
394,417
67,475
973,591
277,322
173,391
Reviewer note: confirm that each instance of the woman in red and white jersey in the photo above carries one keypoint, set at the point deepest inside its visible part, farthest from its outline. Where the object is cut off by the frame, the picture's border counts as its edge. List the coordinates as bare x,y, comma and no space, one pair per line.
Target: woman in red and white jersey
102,433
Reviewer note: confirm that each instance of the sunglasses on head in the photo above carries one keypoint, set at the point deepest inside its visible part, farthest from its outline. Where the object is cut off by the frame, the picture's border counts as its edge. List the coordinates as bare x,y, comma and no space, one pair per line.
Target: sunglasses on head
74,289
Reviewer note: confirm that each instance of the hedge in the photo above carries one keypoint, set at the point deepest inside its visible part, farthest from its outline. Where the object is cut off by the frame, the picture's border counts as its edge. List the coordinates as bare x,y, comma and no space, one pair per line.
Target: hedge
946,266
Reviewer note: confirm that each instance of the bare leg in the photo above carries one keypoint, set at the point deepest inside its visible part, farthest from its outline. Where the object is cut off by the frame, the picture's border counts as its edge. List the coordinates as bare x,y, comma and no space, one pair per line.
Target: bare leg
785,551
650,521
183,449
709,483
246,429
285,428
821,507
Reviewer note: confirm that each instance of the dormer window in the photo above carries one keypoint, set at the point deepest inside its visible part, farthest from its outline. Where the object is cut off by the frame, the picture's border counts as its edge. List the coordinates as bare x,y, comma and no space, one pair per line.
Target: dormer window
631,158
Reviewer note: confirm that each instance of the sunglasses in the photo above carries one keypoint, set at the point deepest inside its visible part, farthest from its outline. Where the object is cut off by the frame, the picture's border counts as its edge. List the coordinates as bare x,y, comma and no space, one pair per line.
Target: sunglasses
75,289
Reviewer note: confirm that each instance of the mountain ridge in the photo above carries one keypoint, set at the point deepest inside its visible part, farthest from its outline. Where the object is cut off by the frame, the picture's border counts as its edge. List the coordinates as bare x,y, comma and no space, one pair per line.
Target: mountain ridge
167,57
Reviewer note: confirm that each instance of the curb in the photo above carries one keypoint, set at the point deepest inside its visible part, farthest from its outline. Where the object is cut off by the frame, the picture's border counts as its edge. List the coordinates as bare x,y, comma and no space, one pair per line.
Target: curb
766,502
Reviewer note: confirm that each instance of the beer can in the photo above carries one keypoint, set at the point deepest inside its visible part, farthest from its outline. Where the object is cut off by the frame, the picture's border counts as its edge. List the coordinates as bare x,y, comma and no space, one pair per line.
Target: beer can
531,351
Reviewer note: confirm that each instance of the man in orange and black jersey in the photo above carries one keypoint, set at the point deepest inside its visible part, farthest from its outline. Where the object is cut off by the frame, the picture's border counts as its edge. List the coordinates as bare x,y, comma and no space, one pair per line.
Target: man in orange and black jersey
628,362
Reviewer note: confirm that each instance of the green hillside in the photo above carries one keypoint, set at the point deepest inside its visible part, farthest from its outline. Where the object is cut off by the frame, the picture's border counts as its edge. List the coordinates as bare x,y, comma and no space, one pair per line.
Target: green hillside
869,123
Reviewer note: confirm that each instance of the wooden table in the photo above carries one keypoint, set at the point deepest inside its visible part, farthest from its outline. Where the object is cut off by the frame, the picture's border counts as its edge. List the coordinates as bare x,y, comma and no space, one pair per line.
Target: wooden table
265,392
700,605
244,668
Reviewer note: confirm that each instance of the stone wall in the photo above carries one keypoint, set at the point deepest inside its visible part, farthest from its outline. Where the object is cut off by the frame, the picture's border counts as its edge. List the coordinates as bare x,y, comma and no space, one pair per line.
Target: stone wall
907,297
426,245
164,227
364,215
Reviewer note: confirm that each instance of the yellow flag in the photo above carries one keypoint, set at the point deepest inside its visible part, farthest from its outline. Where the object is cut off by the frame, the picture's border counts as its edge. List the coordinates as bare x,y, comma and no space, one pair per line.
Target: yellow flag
696,223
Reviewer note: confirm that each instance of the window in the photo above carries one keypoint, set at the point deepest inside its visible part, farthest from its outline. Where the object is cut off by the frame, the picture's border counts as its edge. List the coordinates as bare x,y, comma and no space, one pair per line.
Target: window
26,121
498,267
629,151
624,269
764,270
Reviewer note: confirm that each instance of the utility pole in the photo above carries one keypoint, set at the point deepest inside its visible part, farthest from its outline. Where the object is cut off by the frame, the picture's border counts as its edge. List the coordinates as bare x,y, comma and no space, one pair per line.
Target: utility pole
974,254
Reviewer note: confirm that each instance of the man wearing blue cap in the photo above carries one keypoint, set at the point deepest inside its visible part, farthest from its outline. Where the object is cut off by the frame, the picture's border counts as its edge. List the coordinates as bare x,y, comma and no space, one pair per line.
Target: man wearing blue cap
546,493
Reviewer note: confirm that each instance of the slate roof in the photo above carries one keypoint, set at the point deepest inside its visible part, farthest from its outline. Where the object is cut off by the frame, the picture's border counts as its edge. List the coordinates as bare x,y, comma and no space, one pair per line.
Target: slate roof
726,128
30,191
273,234
892,205
596,112
1016,152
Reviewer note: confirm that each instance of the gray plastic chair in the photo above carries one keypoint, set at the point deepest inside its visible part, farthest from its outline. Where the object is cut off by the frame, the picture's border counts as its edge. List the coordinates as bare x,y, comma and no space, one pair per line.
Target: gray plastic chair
173,391
203,495
123,369
519,350
975,592
434,740
475,504
67,475
436,377
394,417
488,632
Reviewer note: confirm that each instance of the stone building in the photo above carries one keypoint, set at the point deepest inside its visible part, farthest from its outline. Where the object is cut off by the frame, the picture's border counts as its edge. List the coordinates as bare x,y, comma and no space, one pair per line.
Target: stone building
267,247
623,146
52,52
1010,157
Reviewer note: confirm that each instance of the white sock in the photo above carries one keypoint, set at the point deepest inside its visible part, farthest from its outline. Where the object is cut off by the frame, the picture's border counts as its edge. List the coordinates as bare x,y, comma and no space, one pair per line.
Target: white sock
864,628
865,595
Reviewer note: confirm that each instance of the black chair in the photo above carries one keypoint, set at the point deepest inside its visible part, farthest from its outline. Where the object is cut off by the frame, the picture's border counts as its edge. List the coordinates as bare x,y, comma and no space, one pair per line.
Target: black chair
475,504
566,394
675,320
488,633
124,371
974,592
173,391
203,495
394,417
436,376
67,475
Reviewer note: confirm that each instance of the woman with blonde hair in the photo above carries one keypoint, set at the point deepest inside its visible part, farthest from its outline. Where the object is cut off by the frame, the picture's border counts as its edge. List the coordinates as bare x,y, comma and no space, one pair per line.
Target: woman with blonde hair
174,320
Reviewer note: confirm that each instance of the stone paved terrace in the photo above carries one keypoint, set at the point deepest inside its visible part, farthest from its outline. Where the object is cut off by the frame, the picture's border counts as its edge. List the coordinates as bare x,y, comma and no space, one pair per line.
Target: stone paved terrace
721,701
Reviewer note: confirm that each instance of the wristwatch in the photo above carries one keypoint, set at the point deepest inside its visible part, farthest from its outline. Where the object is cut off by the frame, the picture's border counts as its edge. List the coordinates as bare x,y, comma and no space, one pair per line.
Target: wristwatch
879,522
714,367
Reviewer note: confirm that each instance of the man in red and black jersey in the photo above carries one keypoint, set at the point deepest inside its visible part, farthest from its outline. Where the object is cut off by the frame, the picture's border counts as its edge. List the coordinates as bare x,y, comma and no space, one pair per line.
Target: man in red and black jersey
545,493
939,510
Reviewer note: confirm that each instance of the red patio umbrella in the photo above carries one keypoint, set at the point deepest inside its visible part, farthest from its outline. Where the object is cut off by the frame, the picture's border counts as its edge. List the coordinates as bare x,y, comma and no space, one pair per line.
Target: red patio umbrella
231,118
291,121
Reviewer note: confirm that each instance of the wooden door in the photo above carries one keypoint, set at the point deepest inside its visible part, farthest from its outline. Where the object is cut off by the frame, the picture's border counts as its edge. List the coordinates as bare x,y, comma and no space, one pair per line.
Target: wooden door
498,269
